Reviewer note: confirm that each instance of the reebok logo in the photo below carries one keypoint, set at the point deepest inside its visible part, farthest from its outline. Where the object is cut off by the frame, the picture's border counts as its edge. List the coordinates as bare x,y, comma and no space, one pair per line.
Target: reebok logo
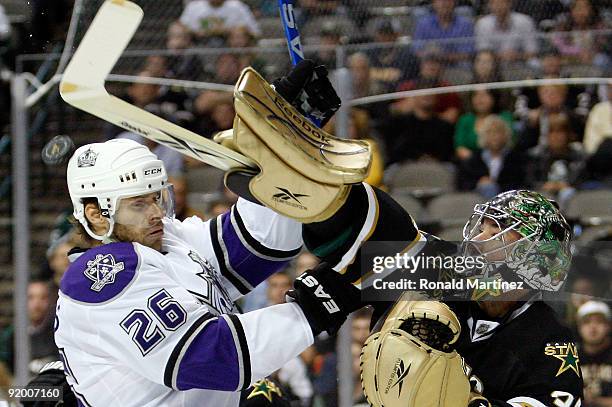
401,372
289,198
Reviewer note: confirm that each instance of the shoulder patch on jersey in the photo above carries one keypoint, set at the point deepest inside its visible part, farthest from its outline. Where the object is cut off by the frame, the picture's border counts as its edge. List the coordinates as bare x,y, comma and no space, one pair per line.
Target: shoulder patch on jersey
567,353
101,273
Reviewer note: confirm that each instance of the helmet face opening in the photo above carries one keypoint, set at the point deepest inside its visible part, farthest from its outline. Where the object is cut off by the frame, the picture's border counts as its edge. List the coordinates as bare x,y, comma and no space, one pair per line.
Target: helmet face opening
144,208
497,247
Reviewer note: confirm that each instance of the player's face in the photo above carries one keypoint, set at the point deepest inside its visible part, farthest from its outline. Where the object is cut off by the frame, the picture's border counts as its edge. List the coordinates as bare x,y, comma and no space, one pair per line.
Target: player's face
139,219
492,240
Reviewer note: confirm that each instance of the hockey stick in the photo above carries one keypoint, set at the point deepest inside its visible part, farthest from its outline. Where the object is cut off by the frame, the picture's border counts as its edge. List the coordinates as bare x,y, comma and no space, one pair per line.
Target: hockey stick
292,35
82,86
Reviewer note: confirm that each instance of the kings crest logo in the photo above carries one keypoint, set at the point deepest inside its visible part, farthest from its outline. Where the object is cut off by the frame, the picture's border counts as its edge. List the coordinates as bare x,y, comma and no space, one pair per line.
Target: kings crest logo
102,271
87,159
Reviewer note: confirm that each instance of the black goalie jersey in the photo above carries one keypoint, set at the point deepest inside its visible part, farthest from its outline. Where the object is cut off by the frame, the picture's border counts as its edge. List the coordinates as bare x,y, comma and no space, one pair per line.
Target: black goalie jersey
527,359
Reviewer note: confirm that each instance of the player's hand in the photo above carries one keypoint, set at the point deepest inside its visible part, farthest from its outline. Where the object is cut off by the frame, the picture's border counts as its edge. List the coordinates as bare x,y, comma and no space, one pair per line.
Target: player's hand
308,88
52,375
326,298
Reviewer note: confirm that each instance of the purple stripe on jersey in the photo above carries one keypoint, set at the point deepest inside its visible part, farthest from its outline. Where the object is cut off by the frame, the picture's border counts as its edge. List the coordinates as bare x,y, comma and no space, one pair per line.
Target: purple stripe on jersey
101,273
211,360
251,267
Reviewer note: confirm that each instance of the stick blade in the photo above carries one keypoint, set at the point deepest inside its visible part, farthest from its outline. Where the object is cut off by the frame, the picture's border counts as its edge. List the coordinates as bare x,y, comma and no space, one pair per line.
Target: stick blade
106,39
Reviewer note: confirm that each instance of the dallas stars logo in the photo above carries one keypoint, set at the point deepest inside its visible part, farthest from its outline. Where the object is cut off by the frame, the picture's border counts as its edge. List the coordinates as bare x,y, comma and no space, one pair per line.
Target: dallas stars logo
568,355
264,387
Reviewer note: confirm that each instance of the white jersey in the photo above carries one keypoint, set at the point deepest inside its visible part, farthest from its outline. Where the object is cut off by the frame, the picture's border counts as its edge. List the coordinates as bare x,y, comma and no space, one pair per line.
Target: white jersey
138,327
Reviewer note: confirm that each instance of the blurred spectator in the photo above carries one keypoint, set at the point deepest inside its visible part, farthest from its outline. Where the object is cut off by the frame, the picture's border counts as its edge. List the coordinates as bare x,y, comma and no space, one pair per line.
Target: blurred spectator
6,380
359,398
541,9
182,210
553,100
305,261
448,106
360,325
157,66
579,98
486,67
559,165
173,105
218,207
41,305
445,31
595,353
361,75
582,287
391,62
227,69
497,167
484,102
359,129
57,253
181,66
551,63
364,84
598,166
293,376
308,9
214,19
215,113
512,35
278,285
172,159
328,41
242,37
598,125
575,39
419,134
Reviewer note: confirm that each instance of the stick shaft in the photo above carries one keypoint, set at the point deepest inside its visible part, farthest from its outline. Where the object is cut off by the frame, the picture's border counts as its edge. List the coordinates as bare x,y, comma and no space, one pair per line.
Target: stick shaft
292,34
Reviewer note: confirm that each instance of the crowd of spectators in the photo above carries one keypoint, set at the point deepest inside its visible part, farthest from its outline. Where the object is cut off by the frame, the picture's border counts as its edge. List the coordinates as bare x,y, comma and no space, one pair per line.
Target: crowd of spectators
553,138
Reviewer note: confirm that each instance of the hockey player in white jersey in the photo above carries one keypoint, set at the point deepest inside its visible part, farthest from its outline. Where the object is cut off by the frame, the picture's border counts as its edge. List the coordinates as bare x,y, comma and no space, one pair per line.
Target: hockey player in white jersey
146,316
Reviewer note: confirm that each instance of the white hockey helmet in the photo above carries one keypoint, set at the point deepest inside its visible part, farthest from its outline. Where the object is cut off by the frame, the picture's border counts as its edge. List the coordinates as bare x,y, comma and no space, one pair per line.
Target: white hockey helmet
110,171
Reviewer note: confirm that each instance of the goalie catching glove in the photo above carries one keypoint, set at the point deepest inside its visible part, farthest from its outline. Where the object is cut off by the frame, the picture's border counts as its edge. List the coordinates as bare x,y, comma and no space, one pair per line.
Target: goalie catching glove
326,298
410,362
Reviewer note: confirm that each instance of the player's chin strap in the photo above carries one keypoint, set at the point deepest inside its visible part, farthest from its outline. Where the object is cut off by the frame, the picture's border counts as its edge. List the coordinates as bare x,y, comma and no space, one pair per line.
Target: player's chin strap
107,237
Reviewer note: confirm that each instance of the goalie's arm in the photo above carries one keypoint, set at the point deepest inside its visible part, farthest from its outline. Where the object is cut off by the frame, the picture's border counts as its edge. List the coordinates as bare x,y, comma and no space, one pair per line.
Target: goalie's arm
369,214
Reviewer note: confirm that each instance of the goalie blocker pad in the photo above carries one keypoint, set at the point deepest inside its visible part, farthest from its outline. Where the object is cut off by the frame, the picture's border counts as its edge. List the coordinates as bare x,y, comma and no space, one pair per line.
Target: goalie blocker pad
305,173
399,369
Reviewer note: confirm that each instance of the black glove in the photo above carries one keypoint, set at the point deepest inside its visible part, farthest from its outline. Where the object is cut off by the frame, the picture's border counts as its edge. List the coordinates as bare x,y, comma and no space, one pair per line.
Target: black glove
52,375
326,298
309,90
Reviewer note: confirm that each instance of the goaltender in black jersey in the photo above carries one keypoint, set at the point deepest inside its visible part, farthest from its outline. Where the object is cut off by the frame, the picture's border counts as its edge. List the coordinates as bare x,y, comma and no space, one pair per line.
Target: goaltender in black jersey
515,350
